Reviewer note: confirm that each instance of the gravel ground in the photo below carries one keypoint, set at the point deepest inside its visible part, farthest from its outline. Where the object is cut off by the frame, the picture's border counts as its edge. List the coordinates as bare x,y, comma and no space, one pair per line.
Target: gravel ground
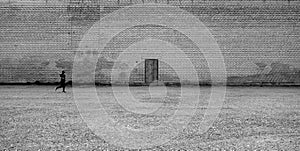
252,118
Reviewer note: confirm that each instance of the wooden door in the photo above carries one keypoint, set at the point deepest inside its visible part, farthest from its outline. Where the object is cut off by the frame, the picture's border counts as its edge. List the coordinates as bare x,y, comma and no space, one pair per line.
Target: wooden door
151,70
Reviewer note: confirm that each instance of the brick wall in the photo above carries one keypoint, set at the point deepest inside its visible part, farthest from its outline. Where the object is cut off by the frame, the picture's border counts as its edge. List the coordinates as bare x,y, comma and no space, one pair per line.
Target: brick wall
259,39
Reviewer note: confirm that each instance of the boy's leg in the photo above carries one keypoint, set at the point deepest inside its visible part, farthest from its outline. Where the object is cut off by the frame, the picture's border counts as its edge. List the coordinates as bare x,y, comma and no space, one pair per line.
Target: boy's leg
64,87
57,87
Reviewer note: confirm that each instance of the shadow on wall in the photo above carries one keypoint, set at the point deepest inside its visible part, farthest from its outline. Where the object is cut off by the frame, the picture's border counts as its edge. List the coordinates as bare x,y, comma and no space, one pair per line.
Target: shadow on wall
64,64
274,74
32,69
37,69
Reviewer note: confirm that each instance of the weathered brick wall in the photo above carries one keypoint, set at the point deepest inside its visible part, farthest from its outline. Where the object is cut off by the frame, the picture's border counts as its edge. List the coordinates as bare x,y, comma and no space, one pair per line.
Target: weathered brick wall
259,42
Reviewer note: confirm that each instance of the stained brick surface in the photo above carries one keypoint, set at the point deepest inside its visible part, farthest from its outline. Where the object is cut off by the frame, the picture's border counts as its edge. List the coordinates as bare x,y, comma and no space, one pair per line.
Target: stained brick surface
259,41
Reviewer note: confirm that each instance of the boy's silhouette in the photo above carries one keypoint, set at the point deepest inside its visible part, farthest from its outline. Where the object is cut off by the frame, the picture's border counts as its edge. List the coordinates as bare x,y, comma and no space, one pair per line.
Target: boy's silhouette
62,82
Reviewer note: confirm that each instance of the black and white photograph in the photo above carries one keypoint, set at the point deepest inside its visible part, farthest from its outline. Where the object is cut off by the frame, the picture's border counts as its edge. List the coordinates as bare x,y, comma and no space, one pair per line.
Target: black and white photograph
149,75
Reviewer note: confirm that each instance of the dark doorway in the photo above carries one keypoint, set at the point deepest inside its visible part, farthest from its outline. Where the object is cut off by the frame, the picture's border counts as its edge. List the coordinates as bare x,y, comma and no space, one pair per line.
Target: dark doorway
151,70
